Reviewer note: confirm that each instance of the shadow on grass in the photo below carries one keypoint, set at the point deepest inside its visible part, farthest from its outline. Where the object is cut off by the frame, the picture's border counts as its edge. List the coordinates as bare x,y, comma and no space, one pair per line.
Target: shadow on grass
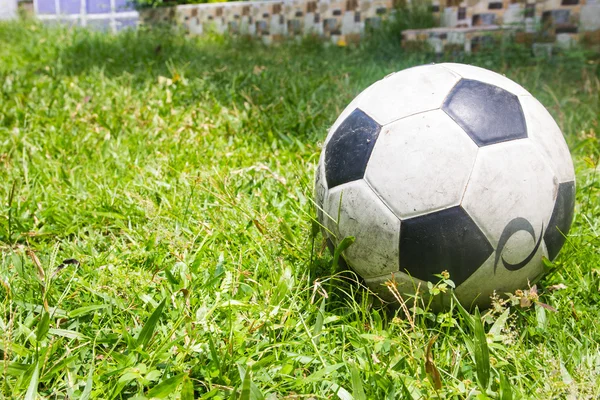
302,81
151,52
144,53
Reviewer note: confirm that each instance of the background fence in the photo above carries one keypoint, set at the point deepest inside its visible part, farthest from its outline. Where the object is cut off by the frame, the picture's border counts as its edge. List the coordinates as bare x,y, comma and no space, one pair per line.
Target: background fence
109,15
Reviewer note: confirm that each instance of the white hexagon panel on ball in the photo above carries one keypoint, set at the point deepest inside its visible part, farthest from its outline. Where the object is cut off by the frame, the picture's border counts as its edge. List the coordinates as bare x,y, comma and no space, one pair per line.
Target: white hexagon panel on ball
353,209
421,164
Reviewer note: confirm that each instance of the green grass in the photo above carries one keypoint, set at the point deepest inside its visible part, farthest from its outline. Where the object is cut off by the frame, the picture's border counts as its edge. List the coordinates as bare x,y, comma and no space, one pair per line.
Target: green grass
178,173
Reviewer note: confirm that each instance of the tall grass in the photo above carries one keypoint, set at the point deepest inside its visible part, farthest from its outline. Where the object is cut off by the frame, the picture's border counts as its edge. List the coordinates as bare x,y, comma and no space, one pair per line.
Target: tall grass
387,37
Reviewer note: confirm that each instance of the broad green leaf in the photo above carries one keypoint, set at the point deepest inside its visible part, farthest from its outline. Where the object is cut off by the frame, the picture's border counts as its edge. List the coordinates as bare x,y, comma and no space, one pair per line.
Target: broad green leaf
148,329
340,392
233,303
505,392
249,390
468,318
482,353
165,387
66,333
17,369
319,323
88,384
213,352
17,349
542,320
322,373
18,264
129,376
85,310
117,389
107,214
43,326
358,391
57,368
187,388
153,375
245,375
499,323
33,384
209,395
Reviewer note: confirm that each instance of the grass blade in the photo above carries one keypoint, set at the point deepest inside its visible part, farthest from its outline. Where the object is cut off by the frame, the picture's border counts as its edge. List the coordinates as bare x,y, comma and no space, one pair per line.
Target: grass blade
499,323
85,310
505,392
245,375
482,353
213,352
166,387
358,392
344,244
187,388
148,329
33,384
319,323
43,326
89,383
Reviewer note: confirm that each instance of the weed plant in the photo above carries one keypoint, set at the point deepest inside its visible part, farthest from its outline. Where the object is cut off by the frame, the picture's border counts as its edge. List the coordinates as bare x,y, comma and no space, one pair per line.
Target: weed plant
158,236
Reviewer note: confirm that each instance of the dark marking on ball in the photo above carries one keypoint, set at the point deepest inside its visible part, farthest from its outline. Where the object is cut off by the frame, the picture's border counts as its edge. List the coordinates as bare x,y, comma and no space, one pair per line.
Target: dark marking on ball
516,225
444,240
488,113
349,149
561,219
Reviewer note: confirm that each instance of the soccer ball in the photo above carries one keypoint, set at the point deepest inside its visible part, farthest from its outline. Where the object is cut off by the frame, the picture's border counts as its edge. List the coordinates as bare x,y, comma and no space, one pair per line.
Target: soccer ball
446,167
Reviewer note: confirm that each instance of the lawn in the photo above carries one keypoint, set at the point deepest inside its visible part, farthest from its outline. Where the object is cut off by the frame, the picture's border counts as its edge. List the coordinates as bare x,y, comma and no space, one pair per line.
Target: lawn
158,236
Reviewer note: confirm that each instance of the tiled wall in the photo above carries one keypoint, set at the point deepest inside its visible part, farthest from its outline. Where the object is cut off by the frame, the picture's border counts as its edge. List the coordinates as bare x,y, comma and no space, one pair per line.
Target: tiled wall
341,21
544,24
109,15
466,23
462,23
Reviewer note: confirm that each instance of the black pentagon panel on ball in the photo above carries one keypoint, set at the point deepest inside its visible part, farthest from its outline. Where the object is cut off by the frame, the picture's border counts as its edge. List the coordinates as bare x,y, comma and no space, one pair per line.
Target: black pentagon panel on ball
349,149
443,240
562,217
488,113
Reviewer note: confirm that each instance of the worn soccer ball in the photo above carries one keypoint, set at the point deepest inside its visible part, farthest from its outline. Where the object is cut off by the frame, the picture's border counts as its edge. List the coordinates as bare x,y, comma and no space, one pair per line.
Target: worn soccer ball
446,167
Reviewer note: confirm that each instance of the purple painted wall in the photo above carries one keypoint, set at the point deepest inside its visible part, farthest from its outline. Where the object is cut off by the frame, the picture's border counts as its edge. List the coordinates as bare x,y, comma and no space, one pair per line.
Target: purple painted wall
70,6
97,6
123,5
124,23
92,6
46,7
96,14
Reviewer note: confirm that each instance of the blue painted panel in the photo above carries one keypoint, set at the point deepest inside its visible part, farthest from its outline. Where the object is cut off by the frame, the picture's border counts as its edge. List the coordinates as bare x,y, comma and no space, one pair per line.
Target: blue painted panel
97,6
46,7
125,23
99,24
123,5
70,6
